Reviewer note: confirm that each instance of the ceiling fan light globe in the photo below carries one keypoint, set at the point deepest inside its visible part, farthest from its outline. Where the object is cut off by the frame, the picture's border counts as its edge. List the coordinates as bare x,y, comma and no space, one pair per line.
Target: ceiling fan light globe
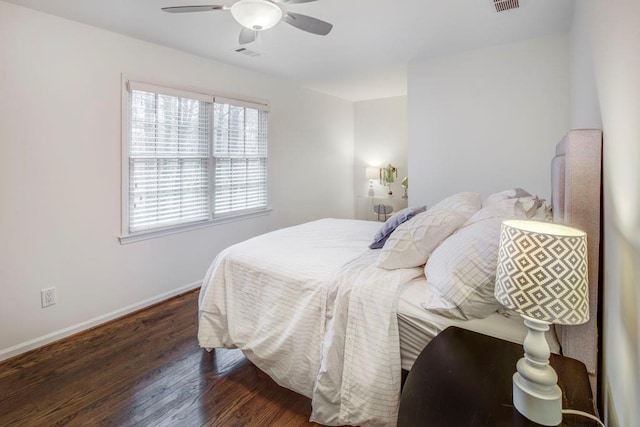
256,15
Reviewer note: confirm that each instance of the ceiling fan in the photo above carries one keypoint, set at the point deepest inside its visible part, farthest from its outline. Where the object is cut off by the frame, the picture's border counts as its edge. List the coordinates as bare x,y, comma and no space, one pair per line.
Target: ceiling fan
260,15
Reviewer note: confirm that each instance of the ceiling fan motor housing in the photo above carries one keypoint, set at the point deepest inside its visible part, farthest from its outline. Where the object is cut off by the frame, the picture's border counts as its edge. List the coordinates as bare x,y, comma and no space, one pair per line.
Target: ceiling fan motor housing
256,15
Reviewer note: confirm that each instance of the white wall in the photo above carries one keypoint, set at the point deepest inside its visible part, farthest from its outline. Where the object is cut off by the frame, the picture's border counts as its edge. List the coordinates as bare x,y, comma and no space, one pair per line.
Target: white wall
488,119
60,114
380,138
585,107
607,34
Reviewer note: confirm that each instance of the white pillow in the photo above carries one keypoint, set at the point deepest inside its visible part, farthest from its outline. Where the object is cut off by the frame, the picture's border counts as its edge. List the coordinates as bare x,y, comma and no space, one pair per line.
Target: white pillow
465,203
463,268
413,241
392,223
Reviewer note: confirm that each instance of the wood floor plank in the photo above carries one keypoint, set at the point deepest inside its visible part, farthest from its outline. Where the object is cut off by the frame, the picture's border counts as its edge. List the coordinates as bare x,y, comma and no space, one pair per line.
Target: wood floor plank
145,369
62,356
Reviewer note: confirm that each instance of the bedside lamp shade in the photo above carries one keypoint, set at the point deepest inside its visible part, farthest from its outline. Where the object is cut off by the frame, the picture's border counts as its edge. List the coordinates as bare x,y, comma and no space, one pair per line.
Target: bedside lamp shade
542,271
372,173
541,274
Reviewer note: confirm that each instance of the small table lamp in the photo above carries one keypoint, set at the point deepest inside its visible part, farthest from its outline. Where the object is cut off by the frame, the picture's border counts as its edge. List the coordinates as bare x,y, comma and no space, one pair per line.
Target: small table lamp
541,274
371,173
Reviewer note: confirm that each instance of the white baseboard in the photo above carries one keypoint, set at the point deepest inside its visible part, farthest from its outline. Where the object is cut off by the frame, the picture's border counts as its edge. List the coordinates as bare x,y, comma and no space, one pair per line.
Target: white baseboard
10,352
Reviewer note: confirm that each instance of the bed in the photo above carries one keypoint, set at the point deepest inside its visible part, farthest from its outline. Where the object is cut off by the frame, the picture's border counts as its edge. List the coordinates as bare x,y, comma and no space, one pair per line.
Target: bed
311,306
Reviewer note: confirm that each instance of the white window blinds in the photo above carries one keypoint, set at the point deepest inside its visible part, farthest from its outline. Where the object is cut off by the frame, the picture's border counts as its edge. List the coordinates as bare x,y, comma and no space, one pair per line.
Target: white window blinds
168,160
240,152
190,159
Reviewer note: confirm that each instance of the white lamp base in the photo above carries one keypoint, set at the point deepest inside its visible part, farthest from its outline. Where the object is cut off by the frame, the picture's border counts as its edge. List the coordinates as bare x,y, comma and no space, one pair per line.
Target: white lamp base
536,394
545,409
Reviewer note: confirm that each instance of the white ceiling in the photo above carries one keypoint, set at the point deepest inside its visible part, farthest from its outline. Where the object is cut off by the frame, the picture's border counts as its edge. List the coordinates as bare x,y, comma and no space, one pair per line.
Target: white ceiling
364,57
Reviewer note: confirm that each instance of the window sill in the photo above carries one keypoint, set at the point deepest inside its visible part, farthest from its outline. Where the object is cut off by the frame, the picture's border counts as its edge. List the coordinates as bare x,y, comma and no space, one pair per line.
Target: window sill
152,234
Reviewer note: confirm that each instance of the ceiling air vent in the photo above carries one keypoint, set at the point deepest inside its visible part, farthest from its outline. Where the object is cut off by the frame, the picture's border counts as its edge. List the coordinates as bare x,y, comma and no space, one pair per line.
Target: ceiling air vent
502,5
245,51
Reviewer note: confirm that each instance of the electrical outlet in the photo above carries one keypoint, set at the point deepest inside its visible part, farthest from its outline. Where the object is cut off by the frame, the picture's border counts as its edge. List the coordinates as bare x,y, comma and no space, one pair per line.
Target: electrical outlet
48,297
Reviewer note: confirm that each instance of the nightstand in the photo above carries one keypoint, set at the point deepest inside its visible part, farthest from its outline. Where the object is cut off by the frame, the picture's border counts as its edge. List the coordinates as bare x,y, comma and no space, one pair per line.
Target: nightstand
364,206
463,378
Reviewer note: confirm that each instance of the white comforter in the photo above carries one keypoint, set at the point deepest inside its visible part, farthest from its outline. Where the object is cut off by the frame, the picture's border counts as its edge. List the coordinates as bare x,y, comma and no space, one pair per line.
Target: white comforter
307,305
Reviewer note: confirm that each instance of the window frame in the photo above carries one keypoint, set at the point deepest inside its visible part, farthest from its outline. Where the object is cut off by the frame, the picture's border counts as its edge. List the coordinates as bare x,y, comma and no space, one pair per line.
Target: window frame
214,219
233,103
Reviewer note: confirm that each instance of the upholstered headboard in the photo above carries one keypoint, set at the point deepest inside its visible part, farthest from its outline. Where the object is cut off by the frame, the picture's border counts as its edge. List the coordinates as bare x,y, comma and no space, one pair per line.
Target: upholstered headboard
576,178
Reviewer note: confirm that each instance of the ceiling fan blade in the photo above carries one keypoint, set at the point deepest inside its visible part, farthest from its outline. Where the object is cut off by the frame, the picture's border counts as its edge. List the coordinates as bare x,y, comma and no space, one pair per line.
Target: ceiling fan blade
247,36
186,9
307,23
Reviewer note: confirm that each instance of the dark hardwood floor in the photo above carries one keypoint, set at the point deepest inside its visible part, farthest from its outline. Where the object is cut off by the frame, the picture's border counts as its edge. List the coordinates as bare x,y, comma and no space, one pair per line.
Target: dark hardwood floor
143,370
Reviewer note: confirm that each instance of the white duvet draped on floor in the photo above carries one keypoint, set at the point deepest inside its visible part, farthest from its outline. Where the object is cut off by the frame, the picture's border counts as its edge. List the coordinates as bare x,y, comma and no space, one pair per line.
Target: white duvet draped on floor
307,305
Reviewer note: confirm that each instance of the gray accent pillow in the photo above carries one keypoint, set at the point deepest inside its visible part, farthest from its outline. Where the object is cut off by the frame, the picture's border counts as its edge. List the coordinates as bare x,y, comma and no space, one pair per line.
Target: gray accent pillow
504,195
392,223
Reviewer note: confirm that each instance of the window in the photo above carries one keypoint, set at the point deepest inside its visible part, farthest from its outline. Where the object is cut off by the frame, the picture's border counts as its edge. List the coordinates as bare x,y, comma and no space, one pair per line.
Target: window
190,159
240,151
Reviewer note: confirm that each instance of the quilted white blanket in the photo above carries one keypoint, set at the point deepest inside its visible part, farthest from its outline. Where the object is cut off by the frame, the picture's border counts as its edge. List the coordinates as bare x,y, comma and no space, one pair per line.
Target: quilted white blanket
307,305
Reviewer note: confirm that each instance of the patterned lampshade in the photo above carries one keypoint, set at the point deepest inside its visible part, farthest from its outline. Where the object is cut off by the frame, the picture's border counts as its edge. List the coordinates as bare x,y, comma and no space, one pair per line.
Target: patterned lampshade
542,271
